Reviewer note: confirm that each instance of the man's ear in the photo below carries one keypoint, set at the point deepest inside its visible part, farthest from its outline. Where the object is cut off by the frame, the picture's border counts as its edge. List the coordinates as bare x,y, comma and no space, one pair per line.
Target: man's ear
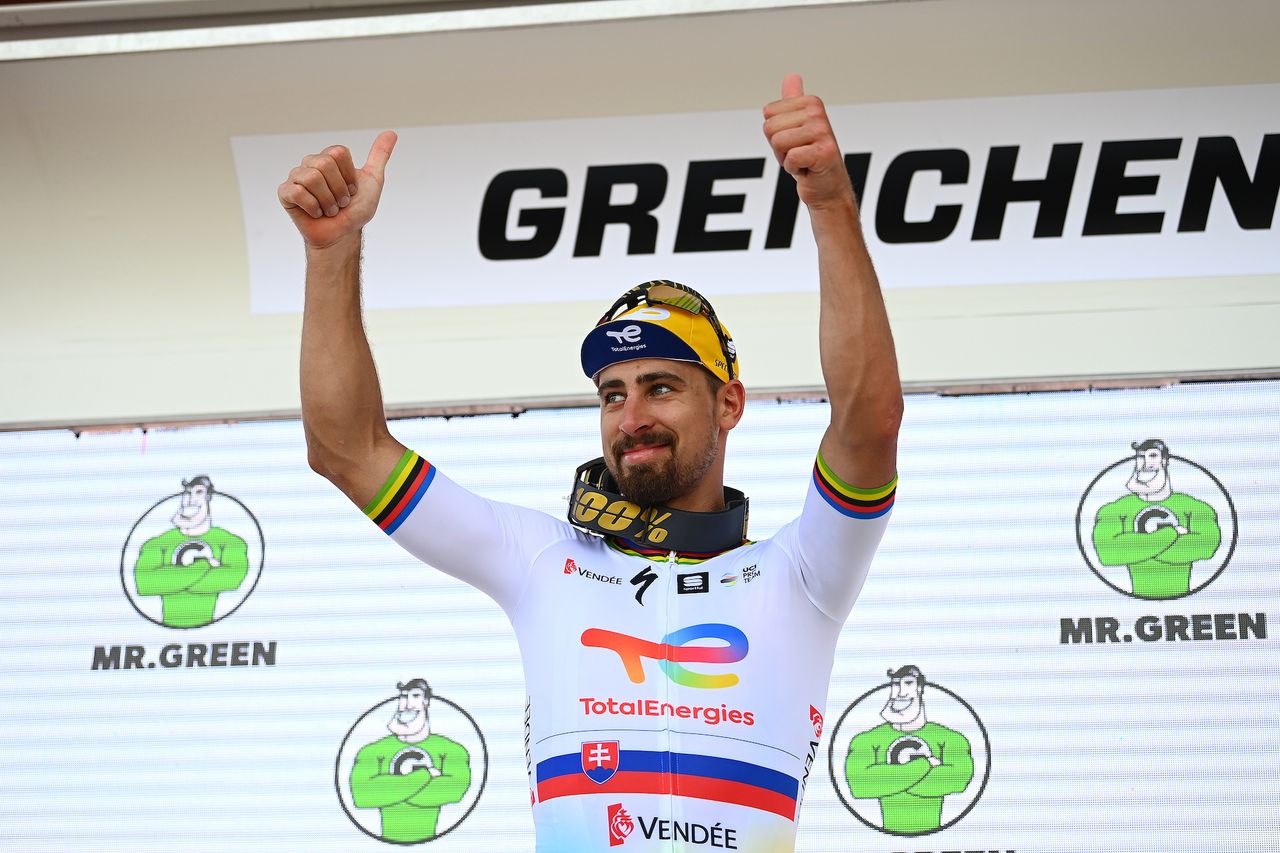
731,402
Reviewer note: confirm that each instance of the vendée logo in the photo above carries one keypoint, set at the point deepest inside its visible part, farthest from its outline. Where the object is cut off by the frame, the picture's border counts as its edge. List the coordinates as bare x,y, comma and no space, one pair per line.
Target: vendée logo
674,651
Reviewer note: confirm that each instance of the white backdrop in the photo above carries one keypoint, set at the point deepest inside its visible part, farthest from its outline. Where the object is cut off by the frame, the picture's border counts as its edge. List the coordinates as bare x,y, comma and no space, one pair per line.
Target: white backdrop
1126,747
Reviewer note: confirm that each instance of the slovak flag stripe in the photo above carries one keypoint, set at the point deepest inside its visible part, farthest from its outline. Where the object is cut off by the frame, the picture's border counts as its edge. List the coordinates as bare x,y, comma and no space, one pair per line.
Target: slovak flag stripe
704,777
716,790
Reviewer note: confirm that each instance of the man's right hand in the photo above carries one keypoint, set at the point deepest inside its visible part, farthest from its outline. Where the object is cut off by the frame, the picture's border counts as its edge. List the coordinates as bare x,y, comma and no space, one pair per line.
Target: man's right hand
328,198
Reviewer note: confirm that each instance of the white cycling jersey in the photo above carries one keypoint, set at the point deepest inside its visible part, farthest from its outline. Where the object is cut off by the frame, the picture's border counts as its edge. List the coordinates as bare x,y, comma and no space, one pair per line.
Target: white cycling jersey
674,700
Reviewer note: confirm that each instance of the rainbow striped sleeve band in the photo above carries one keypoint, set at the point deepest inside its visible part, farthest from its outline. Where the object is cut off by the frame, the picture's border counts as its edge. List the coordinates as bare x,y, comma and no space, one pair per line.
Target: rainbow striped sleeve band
401,493
845,499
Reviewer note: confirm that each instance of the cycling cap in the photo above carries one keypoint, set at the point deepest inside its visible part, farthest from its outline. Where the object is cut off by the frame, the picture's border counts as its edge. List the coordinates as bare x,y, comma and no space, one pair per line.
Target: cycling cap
661,319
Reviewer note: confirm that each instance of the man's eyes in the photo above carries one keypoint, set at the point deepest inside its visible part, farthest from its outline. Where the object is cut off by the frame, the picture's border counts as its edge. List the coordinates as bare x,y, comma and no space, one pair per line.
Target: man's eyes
657,390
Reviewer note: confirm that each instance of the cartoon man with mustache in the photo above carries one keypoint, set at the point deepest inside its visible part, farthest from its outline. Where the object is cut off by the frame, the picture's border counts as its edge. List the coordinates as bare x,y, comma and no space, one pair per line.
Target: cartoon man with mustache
412,772
1154,531
191,564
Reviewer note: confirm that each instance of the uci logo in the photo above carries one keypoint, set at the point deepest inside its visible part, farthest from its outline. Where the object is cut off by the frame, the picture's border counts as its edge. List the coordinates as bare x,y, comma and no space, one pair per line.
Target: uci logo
618,515
629,334
674,651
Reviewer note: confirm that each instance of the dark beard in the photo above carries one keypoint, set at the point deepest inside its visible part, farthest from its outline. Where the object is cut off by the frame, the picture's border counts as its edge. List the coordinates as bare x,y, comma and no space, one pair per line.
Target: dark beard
660,483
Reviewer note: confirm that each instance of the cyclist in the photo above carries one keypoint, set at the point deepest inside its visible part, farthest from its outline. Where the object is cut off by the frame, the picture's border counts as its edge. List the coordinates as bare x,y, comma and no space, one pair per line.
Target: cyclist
664,709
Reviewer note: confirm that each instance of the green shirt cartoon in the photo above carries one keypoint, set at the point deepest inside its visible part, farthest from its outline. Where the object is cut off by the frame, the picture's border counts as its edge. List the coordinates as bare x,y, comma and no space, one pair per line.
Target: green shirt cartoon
1143,535
178,568
392,775
893,767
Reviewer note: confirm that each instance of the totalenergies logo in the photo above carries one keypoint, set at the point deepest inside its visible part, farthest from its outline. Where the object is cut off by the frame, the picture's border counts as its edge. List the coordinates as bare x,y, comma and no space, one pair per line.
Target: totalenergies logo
674,651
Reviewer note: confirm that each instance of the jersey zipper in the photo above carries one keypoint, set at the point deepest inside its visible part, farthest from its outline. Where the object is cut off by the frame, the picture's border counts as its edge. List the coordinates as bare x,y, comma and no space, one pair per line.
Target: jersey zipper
669,602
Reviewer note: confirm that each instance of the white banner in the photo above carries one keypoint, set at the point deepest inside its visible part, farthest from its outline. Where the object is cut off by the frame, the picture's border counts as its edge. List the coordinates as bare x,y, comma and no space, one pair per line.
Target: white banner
1099,186
1099,670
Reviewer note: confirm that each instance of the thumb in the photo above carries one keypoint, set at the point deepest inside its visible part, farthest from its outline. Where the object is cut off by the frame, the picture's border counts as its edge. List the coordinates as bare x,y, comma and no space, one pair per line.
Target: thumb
792,86
380,153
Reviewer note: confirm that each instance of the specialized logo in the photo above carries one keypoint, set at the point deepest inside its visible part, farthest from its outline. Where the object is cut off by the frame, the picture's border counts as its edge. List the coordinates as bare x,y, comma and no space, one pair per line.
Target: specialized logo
620,824
903,772
1146,540
600,760
181,570
674,650
643,579
693,582
417,783
627,334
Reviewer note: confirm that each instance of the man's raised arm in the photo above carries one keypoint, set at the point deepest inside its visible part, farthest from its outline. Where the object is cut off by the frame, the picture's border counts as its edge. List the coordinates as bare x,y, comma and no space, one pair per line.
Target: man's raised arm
330,201
858,361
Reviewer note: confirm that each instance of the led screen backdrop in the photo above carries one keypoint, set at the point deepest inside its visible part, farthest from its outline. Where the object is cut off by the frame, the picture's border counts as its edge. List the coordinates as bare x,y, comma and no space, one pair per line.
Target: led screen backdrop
1103,667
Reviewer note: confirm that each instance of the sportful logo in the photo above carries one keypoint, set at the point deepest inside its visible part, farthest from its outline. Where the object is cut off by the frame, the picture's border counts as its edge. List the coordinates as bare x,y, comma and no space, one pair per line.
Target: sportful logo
620,824
673,651
693,582
629,334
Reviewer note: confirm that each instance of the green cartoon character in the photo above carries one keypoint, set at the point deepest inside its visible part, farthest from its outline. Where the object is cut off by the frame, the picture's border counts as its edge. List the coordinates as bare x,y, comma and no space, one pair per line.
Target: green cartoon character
908,763
189,565
1154,531
410,773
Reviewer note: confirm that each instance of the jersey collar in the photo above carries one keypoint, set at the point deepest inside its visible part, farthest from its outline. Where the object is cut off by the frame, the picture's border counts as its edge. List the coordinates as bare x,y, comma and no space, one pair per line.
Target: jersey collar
658,555
597,507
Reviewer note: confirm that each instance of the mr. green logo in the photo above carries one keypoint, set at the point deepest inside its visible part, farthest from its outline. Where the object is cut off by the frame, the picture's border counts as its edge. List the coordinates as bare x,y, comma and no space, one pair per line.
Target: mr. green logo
180,569
1146,539
415,784
905,772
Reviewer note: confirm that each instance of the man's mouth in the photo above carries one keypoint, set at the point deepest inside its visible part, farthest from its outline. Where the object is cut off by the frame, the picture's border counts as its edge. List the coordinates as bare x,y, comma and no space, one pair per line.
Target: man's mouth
406,716
900,704
644,453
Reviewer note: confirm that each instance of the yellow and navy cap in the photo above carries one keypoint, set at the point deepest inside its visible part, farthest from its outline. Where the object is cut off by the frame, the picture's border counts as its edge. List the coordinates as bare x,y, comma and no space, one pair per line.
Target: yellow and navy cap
661,319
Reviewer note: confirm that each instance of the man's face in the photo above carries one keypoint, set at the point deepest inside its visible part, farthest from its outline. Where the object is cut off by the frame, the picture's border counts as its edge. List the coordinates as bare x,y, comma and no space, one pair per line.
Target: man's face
411,713
1150,471
905,703
194,508
658,428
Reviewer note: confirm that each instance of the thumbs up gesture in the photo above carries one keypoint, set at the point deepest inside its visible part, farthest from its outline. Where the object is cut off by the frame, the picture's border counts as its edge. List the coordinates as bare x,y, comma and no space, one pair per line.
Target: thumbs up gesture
328,198
800,134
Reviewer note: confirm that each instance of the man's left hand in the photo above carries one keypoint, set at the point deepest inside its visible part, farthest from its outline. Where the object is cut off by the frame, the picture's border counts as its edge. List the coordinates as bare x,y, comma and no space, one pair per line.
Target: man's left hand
801,137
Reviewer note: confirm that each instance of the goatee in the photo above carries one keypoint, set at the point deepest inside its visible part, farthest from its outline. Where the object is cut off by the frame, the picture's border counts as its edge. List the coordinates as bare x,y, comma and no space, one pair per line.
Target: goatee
659,482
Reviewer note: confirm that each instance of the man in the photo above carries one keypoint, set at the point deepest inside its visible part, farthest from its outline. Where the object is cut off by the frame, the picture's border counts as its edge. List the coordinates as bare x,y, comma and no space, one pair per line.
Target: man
908,763
189,565
412,772
1154,531
662,709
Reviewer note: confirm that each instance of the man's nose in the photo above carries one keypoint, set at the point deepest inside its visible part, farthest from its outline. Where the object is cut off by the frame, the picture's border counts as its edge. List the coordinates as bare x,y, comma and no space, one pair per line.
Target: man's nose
636,415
